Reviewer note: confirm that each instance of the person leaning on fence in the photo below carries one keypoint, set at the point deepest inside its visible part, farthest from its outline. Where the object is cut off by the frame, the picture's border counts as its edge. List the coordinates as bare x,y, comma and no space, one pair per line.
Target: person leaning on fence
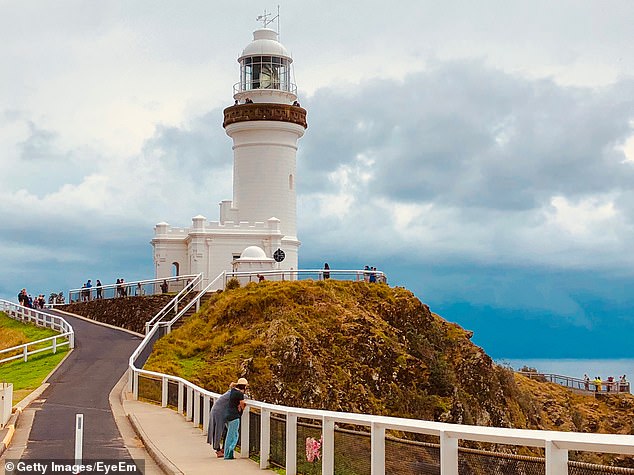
326,271
218,422
164,287
586,382
597,384
234,410
99,290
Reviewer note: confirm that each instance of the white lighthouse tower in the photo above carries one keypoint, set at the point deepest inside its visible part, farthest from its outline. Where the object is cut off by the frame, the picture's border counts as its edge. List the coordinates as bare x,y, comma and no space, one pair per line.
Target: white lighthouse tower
264,124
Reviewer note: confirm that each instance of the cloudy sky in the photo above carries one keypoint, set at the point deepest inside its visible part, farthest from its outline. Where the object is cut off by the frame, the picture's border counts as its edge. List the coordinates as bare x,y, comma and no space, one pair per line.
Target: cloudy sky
482,153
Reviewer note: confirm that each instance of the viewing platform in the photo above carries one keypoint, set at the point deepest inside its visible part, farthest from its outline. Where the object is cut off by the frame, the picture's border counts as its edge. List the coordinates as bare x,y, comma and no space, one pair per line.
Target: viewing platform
579,385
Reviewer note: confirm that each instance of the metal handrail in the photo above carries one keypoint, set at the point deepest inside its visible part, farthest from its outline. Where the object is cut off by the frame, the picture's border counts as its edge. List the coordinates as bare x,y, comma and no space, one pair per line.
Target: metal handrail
580,384
93,290
299,274
173,304
194,301
43,319
238,87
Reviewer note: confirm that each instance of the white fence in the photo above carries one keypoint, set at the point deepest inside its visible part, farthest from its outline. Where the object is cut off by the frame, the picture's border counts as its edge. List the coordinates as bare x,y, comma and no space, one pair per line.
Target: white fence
128,289
42,319
556,444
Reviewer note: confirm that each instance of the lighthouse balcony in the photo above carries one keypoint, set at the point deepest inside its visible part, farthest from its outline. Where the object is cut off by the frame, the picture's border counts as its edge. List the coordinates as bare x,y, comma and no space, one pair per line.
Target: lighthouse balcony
265,111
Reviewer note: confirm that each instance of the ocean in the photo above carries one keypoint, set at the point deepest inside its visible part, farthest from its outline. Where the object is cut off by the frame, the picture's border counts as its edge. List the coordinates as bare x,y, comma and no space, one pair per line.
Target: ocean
576,368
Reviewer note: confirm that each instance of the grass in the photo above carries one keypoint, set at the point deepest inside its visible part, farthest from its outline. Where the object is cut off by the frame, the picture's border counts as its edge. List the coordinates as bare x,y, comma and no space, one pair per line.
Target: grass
26,376
14,332
29,376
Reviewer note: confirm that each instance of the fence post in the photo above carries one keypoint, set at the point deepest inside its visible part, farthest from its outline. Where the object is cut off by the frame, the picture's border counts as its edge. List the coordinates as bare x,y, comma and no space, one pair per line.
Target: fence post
378,450
206,400
180,398
265,438
328,446
71,340
556,459
55,345
190,404
291,444
135,385
244,433
196,402
164,388
448,454
26,353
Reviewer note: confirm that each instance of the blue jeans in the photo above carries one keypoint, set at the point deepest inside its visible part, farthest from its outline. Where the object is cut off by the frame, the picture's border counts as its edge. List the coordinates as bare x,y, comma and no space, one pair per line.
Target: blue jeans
232,437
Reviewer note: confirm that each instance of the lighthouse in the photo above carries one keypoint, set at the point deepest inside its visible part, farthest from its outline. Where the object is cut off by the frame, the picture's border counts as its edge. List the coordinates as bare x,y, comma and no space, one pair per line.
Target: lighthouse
258,226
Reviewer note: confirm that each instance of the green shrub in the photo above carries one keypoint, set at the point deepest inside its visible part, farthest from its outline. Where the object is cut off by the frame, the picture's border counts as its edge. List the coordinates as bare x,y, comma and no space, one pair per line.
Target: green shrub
232,283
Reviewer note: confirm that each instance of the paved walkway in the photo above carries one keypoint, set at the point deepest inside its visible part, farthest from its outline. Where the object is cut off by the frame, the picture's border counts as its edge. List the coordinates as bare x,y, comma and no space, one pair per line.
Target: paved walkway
178,446
81,385
90,381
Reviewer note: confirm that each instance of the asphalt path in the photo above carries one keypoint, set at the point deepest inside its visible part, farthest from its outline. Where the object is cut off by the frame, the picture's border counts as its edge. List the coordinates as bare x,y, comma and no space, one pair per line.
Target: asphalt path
81,386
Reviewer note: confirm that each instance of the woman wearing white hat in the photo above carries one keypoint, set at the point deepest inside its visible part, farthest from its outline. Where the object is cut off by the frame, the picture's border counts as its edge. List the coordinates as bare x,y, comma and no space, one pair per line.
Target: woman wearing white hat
234,410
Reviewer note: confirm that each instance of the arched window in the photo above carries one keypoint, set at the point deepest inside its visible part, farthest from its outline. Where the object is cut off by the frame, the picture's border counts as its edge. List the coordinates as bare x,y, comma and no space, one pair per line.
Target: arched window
175,269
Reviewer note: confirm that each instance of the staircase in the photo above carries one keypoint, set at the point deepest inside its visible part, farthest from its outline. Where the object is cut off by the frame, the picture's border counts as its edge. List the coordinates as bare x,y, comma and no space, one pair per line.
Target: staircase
203,299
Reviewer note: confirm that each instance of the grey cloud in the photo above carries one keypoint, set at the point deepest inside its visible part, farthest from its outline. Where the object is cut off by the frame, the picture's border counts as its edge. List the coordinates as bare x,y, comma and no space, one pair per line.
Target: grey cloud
198,146
465,135
40,144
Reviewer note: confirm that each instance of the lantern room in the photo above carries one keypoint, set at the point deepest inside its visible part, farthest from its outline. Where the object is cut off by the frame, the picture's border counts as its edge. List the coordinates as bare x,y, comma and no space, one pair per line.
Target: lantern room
265,70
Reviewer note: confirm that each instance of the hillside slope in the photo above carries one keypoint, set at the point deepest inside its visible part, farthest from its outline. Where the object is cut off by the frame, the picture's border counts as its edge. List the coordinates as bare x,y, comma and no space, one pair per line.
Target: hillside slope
358,347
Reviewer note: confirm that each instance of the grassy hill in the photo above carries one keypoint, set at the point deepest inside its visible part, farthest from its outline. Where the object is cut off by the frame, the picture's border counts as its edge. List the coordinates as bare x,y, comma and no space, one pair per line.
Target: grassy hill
360,347
26,376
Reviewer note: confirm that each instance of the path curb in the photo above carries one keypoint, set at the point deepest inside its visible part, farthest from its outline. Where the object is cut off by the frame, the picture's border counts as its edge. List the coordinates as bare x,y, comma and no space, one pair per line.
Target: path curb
161,460
18,408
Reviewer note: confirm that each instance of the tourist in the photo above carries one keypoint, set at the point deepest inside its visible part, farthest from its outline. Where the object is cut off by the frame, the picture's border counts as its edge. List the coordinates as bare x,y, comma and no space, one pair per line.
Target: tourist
22,297
366,274
586,382
99,290
164,287
373,275
218,422
235,407
597,384
139,290
89,289
119,288
326,274
260,277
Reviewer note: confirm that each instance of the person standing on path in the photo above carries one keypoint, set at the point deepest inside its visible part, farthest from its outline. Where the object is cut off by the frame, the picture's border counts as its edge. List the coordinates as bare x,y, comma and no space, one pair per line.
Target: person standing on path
217,422
234,410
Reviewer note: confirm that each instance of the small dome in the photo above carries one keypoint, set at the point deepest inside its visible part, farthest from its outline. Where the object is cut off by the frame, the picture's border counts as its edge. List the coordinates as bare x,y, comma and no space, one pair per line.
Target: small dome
264,44
253,252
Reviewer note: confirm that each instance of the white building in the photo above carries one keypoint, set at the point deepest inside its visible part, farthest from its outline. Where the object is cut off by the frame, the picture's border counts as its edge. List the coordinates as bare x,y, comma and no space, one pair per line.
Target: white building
264,124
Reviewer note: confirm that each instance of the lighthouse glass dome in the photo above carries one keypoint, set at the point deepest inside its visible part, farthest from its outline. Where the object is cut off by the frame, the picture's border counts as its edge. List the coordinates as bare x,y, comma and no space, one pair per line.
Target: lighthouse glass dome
265,64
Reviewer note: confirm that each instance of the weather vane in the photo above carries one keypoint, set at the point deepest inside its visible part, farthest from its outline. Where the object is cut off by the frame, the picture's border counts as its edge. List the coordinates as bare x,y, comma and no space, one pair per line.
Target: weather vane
266,20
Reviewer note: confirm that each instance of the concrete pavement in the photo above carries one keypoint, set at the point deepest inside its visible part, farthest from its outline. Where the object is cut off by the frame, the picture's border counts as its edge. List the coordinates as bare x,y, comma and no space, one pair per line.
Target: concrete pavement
122,427
176,445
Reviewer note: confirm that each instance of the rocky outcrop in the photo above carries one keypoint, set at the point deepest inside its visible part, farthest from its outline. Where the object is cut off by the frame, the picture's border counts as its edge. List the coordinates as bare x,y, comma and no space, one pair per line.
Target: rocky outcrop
126,312
361,347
